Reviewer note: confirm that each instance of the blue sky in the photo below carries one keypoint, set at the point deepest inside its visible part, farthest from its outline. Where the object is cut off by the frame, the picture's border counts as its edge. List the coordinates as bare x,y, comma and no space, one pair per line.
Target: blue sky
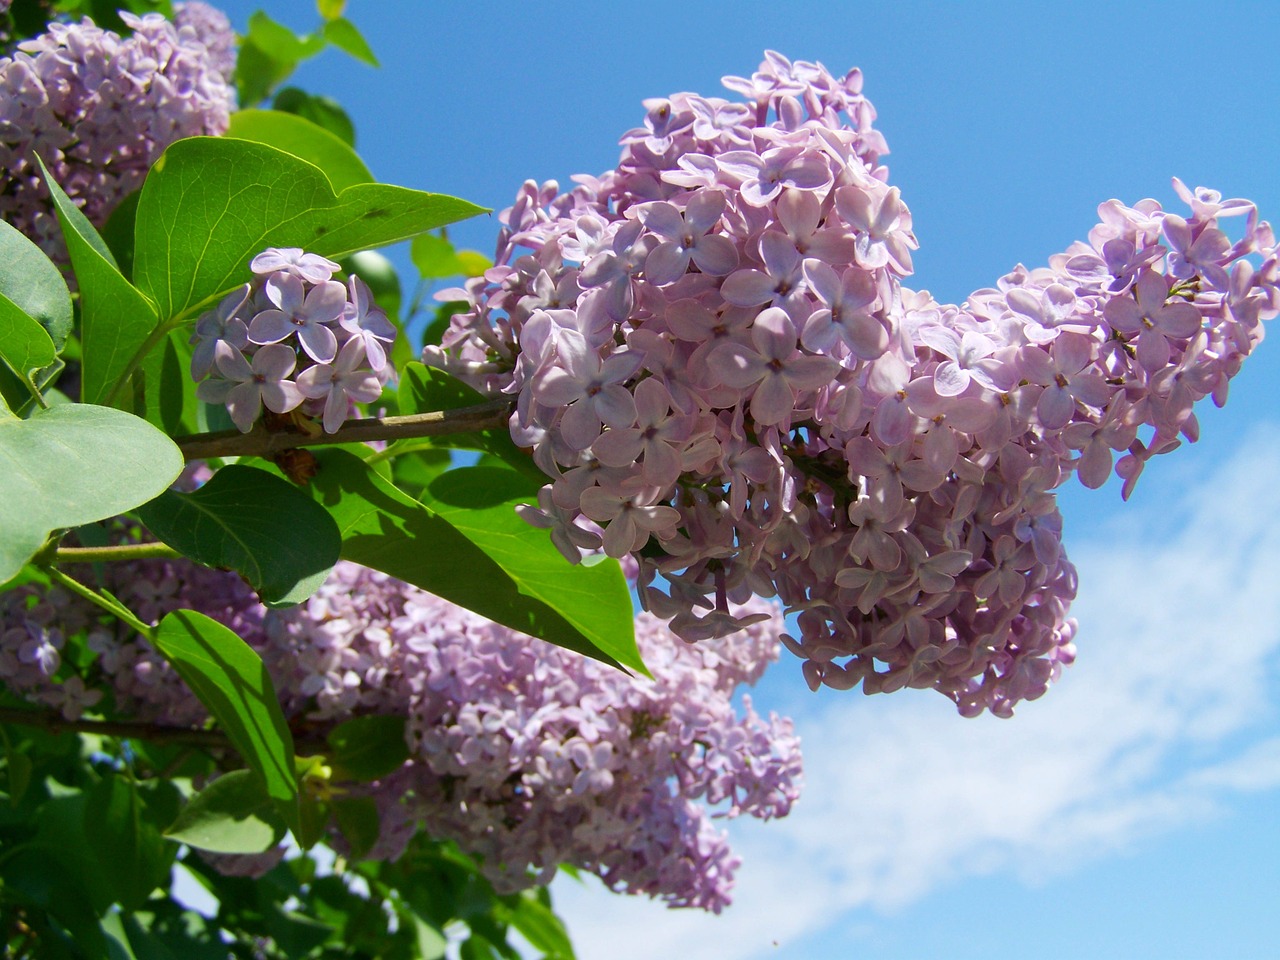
1134,811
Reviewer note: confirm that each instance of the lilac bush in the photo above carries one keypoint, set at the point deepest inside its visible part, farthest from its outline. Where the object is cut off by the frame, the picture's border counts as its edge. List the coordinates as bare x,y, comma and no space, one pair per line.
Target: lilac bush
527,755
294,339
715,359
99,109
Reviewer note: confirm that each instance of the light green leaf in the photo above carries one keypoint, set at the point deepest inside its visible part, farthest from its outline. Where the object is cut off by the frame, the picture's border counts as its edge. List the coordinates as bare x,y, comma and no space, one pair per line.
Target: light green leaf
34,285
233,814
305,140
342,33
211,203
431,942
115,317
279,539
229,678
283,43
331,9
368,748
480,503
384,528
73,464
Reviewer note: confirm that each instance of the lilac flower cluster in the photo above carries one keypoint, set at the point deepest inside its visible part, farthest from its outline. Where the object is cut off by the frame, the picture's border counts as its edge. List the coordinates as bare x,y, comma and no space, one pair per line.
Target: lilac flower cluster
526,755
99,110
716,361
295,338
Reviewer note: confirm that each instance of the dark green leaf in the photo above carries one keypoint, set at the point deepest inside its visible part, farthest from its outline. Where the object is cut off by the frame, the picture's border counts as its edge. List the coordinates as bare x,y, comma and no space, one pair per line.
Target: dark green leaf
233,814
252,522
324,112
367,748
342,33
34,285
115,317
117,232
211,203
71,464
229,678
384,528
480,503
358,820
305,140
130,853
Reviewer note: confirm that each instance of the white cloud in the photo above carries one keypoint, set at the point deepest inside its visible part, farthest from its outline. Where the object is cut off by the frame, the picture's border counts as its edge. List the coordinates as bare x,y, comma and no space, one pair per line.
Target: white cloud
1158,725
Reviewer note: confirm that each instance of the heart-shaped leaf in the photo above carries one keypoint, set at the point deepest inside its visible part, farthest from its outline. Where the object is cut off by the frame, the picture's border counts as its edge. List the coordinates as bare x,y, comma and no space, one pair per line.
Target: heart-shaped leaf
211,203
279,539
73,464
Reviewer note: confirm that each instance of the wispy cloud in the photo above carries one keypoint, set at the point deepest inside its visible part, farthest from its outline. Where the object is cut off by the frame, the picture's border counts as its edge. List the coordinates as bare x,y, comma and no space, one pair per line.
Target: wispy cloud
1162,721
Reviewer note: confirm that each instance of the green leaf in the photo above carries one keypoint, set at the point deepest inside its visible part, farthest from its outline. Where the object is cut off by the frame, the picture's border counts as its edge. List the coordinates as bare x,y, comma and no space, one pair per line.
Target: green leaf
430,941
480,503
233,814
331,9
72,464
279,539
211,203
342,33
424,389
115,317
258,72
358,820
229,678
117,232
322,111
31,282
384,528
130,852
538,924
24,345
367,748
302,138
283,43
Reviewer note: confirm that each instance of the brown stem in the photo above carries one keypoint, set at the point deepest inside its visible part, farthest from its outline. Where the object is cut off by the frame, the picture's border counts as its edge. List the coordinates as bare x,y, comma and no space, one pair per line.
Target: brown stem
57,723
307,741
261,442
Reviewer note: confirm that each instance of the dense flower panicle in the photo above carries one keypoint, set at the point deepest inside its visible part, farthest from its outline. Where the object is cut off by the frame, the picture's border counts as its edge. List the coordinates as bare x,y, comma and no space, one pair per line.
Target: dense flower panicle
211,27
295,338
714,359
525,754
99,109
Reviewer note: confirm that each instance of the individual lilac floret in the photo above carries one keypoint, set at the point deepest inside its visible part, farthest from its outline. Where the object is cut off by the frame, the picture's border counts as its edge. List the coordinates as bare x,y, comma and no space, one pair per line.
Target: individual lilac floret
525,755
99,109
792,421
293,340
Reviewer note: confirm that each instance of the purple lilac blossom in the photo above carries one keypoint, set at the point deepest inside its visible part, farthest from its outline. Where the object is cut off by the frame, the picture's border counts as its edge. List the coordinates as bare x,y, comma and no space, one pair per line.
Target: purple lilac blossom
525,754
99,110
882,463
293,339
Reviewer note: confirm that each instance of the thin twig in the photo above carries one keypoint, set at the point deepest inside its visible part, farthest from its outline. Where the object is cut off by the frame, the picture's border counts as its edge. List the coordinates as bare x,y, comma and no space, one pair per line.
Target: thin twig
122,551
260,442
